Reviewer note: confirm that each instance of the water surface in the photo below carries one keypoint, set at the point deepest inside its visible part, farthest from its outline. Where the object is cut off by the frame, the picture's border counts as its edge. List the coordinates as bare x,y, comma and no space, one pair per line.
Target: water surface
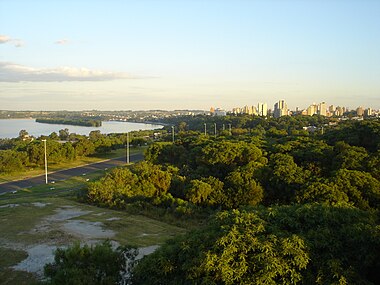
10,128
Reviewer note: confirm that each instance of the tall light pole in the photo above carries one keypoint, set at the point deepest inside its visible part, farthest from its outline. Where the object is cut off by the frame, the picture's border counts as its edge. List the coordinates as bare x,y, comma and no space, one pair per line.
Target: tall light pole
205,129
46,171
173,133
215,129
127,147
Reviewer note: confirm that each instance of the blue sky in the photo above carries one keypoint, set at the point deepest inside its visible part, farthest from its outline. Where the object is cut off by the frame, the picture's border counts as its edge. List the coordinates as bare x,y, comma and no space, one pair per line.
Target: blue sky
188,54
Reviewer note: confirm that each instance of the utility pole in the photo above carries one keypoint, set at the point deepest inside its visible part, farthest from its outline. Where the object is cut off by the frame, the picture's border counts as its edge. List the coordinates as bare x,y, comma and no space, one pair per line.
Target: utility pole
205,129
46,171
173,133
127,148
215,129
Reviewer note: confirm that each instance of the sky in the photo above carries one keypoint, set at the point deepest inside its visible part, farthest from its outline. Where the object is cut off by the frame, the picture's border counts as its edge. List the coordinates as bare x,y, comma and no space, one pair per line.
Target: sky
188,54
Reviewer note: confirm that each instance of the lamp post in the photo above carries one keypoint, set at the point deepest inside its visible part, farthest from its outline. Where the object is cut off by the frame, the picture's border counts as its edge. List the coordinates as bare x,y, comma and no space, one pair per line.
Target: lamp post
46,171
173,133
205,129
127,147
215,129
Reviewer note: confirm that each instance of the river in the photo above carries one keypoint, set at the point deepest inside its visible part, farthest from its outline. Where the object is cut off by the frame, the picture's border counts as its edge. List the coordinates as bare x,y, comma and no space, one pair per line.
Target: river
10,128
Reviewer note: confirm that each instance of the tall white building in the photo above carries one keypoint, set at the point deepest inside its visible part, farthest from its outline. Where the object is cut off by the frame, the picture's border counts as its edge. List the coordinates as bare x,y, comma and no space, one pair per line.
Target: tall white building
262,109
322,109
280,109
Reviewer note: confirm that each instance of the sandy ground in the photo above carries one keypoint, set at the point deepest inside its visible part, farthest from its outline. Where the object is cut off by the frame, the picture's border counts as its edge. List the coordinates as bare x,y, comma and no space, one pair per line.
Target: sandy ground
85,231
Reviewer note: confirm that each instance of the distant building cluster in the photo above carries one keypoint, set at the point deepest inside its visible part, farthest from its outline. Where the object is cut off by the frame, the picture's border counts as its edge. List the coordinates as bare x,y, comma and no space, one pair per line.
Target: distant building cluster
260,110
280,109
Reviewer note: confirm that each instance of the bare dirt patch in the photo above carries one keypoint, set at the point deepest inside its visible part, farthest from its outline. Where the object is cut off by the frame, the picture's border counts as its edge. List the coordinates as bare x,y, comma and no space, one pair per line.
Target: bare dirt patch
66,213
9,206
40,205
87,230
38,256
60,229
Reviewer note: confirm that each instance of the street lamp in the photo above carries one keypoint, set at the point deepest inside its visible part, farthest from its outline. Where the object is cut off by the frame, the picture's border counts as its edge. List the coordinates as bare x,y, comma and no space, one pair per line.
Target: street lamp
46,178
127,147
173,133
205,129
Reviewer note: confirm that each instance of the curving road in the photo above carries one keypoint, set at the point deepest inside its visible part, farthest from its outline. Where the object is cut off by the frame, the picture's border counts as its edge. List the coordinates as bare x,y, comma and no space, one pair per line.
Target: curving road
67,173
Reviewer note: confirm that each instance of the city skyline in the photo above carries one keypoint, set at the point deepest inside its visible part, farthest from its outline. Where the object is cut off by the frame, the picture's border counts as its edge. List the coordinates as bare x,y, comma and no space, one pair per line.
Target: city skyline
144,55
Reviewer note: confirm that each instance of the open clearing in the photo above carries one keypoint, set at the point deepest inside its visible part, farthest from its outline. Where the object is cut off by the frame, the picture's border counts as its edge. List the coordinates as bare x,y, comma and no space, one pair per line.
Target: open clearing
32,227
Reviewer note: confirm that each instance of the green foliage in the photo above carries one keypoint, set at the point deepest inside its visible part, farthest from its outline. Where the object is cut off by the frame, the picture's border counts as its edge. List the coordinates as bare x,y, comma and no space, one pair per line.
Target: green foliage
343,243
121,185
11,161
349,157
74,122
280,245
242,188
90,265
283,178
362,190
358,133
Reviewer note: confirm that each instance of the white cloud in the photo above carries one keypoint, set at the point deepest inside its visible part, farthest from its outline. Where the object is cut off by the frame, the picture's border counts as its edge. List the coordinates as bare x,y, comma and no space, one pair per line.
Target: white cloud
12,72
6,39
62,42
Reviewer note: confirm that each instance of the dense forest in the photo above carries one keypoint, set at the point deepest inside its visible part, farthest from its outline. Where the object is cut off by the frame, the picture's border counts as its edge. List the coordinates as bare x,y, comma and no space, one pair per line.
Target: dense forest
266,202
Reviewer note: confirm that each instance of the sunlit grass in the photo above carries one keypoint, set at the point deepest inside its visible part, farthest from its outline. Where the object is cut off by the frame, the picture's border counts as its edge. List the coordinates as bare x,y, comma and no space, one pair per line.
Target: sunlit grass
10,257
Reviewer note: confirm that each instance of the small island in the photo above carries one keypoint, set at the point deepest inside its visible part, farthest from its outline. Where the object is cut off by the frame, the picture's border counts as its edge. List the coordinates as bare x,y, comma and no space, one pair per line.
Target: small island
71,121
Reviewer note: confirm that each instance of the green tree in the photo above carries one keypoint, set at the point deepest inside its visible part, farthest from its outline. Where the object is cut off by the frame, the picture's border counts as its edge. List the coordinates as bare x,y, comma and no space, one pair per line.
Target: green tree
362,190
11,161
22,134
299,244
283,177
242,188
98,264
64,134
349,157
198,193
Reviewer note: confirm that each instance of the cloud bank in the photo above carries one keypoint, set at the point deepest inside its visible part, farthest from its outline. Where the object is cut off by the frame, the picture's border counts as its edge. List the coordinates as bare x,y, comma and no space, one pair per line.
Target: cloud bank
12,72
62,42
6,39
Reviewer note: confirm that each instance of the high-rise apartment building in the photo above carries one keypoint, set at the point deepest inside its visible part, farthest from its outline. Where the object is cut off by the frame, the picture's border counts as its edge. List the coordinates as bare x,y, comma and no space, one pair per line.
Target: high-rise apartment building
360,111
322,109
250,110
280,109
312,109
262,109
339,111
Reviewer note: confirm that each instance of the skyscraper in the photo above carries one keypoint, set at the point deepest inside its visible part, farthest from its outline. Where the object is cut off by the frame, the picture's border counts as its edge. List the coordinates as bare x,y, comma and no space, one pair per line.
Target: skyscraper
280,109
262,109
322,109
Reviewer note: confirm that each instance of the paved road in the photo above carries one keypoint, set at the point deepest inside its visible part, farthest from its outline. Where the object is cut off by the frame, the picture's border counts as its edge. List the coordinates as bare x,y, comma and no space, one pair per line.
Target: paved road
66,174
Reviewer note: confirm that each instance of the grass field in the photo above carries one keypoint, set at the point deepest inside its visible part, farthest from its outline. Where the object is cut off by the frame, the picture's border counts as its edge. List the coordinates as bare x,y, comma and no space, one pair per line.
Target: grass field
39,216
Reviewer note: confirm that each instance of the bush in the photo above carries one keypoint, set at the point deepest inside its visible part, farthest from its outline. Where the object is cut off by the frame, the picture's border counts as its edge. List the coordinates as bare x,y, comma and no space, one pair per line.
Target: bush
91,265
